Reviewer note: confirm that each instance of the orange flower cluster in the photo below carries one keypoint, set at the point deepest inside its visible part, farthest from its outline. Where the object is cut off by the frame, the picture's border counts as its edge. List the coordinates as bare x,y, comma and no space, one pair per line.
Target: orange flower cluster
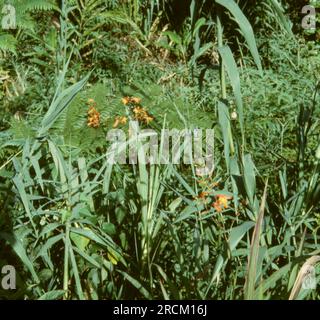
203,195
141,114
221,202
133,100
119,120
93,115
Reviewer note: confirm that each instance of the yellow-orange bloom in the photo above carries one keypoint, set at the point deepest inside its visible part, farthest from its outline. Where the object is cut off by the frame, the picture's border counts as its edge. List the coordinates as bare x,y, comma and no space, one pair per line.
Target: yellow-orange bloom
93,117
139,113
148,119
203,195
221,202
133,100
119,120
142,115
125,100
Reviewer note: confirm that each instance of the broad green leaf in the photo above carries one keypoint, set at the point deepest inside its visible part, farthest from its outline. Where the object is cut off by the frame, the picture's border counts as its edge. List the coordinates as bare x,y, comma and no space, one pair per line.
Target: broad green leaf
52,295
136,284
237,233
285,22
249,290
75,271
272,280
21,253
58,105
224,122
233,74
87,257
245,27
24,198
217,269
80,241
188,212
109,228
200,22
249,178
174,37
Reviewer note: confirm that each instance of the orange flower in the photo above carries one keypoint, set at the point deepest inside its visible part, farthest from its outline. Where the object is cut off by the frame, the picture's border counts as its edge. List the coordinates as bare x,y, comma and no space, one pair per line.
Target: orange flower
125,100
93,117
133,100
142,115
119,120
148,119
91,101
203,195
138,110
221,202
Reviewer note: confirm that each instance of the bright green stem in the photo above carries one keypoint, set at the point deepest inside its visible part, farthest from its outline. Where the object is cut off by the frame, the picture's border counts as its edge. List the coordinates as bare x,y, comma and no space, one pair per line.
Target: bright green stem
222,70
66,262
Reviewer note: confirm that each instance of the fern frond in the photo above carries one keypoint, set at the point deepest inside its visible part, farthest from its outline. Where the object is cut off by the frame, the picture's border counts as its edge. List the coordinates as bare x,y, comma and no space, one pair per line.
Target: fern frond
7,42
72,124
23,10
36,5
21,129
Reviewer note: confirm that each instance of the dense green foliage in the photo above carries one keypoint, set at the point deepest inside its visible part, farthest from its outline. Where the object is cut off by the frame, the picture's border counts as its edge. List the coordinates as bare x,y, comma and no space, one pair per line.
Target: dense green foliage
78,227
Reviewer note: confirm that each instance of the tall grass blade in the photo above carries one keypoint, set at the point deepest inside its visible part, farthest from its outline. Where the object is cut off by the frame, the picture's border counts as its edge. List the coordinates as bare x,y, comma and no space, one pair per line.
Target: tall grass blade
254,251
245,27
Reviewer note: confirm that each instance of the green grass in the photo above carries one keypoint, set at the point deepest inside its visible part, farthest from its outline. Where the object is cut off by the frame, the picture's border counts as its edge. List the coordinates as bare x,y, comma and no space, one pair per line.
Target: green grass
77,227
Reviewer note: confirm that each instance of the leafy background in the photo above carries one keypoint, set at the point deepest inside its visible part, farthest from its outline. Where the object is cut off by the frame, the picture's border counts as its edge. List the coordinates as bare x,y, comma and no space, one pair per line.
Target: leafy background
77,227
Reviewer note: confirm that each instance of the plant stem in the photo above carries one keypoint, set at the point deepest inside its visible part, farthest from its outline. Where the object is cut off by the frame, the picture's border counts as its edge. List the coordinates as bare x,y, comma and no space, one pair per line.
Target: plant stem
222,70
223,80
66,262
